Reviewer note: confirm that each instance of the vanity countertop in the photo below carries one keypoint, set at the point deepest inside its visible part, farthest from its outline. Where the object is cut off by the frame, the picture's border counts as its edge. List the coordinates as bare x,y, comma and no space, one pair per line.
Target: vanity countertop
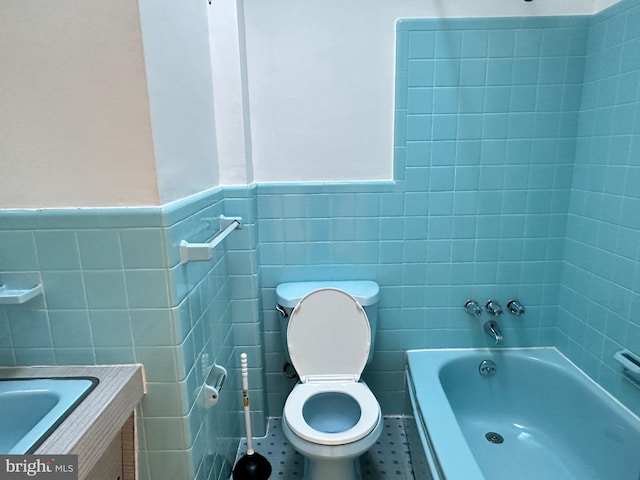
89,429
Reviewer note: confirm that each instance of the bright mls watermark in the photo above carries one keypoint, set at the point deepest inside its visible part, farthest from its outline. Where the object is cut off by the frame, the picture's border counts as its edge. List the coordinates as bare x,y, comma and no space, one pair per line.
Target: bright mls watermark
49,467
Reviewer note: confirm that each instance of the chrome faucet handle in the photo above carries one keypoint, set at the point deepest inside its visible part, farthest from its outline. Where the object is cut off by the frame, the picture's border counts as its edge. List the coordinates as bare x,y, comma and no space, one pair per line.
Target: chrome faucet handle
473,308
515,307
494,308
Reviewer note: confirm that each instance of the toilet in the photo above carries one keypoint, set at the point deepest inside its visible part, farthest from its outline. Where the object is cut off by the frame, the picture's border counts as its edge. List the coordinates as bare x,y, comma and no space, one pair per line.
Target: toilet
331,417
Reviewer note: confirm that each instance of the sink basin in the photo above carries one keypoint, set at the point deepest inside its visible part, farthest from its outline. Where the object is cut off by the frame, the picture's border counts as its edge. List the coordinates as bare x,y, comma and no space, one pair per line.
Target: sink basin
32,408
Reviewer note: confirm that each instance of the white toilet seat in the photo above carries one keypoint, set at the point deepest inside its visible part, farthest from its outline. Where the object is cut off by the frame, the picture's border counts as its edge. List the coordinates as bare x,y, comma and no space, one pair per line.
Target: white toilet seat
369,412
329,336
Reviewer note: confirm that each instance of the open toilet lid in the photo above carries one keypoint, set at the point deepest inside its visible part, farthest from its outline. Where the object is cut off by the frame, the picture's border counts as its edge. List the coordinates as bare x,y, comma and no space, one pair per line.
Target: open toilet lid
329,336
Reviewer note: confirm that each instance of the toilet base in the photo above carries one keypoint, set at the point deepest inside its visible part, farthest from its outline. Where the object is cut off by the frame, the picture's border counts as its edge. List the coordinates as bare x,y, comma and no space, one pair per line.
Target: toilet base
334,469
332,462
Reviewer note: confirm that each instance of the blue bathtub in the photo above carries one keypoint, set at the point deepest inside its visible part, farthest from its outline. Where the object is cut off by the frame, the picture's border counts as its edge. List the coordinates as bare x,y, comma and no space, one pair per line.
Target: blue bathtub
536,417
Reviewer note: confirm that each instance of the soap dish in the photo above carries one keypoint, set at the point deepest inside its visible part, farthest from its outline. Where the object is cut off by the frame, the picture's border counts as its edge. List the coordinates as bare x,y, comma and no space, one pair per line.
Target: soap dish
16,296
630,363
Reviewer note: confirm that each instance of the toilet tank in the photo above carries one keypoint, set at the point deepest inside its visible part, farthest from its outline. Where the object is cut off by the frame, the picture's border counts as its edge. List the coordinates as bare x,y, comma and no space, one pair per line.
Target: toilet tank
364,291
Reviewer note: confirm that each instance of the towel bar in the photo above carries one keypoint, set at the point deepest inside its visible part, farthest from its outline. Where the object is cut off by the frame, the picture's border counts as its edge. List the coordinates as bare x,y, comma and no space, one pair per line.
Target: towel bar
199,252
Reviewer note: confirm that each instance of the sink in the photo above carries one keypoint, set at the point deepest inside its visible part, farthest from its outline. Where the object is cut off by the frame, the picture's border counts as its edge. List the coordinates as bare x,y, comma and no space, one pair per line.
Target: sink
32,408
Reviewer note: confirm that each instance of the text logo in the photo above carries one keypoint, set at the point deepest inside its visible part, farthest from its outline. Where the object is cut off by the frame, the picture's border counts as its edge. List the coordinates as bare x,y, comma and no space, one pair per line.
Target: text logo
49,467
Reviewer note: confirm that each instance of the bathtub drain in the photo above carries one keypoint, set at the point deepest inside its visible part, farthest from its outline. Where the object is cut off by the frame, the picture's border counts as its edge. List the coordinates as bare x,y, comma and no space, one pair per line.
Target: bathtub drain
487,368
494,437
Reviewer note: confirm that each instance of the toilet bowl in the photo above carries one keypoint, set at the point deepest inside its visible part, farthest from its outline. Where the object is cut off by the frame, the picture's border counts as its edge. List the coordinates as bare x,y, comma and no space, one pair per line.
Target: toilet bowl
330,416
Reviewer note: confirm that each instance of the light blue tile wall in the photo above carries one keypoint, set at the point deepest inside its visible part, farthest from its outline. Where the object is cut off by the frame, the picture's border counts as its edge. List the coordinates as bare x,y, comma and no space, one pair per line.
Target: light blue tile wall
485,125
116,293
600,294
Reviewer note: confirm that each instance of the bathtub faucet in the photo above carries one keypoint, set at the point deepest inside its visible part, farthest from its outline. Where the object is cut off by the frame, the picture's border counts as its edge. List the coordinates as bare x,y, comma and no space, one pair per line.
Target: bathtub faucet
493,330
515,307
472,308
494,308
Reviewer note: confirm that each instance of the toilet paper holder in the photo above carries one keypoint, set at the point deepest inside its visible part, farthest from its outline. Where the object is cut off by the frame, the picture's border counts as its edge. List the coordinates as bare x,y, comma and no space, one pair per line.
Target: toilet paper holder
216,377
213,385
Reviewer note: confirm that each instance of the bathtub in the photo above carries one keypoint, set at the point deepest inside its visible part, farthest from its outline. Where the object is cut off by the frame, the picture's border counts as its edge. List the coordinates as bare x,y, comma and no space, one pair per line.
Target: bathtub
536,417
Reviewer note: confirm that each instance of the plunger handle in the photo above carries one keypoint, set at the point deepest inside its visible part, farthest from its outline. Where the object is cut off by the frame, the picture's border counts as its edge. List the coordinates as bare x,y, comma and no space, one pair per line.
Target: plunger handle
245,398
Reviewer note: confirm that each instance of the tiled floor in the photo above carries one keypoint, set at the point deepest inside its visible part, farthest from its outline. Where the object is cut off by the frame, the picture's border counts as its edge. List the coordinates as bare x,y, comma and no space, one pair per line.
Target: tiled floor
388,459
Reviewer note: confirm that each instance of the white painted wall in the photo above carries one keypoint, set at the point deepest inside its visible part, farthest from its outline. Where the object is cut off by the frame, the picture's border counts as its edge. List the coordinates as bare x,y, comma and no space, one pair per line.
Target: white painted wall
321,80
228,62
74,123
178,66
105,103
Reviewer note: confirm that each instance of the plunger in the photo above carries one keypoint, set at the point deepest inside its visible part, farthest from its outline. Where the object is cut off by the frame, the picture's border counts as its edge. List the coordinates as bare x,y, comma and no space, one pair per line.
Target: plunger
252,465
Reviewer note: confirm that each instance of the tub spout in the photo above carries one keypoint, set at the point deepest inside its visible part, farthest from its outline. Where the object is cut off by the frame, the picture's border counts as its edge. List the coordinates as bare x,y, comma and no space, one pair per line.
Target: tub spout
493,330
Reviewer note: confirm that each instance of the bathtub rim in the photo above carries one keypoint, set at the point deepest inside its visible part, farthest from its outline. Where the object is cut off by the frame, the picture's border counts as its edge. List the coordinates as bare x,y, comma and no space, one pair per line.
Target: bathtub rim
441,457
549,348
437,457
